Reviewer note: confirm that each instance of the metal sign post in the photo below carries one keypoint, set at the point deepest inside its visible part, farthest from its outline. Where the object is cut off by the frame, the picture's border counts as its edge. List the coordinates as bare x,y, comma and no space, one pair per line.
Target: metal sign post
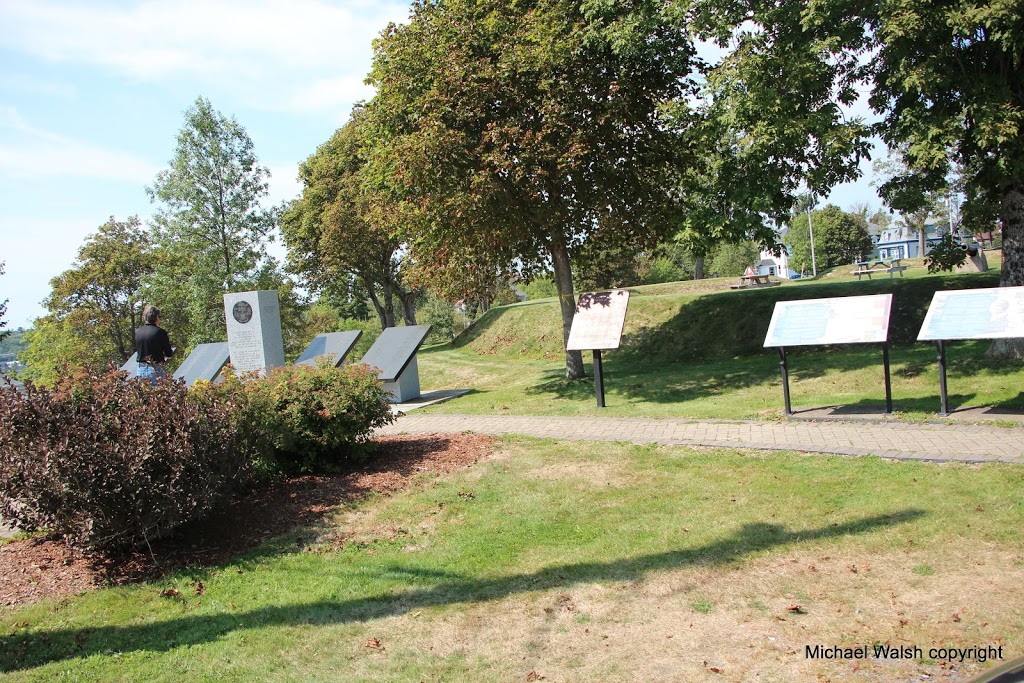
598,378
785,379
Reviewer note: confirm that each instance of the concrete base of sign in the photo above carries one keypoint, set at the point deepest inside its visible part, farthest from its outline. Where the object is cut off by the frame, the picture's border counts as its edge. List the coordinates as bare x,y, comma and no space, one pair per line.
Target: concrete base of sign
407,386
854,412
428,399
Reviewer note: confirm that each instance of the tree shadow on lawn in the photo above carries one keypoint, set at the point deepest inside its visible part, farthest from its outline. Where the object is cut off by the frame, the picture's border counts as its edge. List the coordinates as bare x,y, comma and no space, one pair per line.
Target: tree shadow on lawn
675,382
28,650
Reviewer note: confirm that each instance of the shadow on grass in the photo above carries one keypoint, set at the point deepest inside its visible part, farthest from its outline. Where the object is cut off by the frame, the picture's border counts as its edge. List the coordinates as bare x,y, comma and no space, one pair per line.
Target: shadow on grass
663,382
27,650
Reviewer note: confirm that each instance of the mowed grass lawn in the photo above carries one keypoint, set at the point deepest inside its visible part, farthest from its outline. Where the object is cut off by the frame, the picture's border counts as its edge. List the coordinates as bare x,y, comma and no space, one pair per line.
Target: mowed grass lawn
558,561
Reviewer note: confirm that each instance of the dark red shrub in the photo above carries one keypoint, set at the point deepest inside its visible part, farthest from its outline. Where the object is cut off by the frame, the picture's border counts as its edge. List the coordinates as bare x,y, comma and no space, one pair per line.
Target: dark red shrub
105,460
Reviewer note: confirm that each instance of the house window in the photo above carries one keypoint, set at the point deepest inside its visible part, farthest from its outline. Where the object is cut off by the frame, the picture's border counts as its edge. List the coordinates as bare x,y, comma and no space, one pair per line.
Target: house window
771,270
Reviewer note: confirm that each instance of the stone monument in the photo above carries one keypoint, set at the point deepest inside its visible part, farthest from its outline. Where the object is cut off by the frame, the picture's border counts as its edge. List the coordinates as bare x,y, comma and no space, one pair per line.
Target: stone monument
254,330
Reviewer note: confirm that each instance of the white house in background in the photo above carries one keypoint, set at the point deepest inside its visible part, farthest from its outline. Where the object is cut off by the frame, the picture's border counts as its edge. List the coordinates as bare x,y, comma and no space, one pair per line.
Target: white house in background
778,266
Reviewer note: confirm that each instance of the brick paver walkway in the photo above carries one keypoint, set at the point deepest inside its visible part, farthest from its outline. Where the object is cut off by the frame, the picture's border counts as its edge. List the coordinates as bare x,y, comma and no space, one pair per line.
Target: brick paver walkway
900,440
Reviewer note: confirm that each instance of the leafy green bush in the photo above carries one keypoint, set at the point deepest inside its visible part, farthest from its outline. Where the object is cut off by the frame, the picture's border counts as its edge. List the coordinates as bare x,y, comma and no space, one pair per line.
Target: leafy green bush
105,460
306,418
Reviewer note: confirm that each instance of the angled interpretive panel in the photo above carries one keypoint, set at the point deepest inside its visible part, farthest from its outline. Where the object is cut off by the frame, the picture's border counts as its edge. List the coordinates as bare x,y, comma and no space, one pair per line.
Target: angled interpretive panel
332,345
204,363
835,320
394,356
597,326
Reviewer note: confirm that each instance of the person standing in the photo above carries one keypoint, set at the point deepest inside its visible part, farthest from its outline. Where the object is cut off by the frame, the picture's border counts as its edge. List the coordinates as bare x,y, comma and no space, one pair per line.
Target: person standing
152,346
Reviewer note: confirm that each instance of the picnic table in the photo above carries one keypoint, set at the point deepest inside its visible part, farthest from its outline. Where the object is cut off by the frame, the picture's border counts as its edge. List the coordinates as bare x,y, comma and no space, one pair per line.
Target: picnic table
754,281
870,268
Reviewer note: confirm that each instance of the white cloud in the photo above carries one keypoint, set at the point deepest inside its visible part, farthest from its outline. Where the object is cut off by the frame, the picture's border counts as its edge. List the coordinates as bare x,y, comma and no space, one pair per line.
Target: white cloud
330,94
33,153
304,45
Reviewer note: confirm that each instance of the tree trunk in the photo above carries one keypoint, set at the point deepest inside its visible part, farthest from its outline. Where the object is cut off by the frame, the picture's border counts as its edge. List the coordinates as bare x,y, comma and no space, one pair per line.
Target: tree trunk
922,241
567,302
408,300
1012,274
377,306
698,267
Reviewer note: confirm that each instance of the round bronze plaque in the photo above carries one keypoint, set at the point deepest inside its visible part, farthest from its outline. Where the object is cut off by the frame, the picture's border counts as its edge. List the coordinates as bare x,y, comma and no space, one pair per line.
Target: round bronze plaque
242,312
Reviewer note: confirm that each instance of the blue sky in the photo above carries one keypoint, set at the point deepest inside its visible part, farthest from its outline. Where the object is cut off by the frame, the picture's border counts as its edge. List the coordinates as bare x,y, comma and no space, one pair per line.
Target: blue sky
92,96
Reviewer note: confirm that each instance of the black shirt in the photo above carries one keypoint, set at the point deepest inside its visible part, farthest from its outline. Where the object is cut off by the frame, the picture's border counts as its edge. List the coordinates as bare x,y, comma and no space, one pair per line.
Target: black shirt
152,345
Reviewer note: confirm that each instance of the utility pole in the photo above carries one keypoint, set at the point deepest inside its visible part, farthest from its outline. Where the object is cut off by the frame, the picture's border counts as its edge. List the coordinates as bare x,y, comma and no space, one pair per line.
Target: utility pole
810,227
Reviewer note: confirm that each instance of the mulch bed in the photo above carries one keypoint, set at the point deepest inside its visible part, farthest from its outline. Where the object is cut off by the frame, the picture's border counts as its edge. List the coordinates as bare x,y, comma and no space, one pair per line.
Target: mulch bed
38,568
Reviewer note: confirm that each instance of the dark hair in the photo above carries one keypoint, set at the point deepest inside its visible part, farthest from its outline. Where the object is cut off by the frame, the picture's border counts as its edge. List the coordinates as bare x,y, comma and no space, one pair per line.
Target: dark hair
150,314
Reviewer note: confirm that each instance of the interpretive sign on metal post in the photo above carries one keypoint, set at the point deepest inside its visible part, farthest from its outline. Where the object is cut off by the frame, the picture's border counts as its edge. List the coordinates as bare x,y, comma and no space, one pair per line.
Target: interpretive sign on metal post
597,326
204,363
333,345
394,355
992,313
836,320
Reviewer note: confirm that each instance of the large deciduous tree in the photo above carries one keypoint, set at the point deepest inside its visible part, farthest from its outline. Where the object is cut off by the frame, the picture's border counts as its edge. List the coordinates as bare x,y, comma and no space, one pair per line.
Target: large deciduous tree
342,227
946,77
210,229
526,129
92,307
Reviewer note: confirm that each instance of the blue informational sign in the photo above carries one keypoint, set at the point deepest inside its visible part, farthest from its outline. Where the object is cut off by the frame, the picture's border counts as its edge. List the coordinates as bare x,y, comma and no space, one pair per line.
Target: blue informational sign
838,320
994,313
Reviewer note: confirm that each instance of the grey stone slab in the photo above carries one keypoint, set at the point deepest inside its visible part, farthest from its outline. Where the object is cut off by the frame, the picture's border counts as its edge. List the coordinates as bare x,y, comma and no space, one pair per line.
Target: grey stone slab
336,345
131,366
204,363
394,349
254,330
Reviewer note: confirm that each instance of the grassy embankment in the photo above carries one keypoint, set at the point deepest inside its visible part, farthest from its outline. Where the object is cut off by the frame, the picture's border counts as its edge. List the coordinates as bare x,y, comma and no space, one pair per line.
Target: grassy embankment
694,349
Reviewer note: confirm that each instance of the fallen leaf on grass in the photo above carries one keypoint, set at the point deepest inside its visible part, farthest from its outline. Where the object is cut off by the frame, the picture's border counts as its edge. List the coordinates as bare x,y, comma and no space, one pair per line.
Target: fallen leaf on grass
171,593
796,609
374,643
712,669
200,588
534,676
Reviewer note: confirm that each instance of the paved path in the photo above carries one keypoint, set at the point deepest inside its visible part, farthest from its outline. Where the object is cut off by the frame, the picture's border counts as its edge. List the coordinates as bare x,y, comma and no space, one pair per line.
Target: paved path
900,440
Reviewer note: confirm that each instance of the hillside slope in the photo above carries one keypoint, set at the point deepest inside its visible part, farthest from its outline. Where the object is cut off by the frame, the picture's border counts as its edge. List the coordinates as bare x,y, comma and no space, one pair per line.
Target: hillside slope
708,321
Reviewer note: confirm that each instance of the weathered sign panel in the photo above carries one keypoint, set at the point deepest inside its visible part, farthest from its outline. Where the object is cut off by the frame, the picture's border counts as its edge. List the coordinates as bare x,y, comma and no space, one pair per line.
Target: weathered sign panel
597,325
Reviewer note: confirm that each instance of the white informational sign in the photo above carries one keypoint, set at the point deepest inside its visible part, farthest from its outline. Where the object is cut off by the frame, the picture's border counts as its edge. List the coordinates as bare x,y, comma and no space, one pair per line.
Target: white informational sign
838,320
598,322
995,313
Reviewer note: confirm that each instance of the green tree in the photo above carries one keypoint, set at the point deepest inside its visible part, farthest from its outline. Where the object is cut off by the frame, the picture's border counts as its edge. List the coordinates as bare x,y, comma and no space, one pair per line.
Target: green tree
769,121
3,309
342,228
524,130
93,306
839,239
732,258
210,229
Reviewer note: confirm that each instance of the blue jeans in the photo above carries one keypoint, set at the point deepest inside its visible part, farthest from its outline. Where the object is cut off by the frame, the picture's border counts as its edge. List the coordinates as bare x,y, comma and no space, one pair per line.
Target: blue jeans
150,372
